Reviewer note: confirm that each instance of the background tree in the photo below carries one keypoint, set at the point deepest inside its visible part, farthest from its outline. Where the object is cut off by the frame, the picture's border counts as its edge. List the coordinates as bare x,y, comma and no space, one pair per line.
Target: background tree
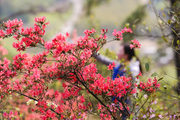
175,14
133,20
91,3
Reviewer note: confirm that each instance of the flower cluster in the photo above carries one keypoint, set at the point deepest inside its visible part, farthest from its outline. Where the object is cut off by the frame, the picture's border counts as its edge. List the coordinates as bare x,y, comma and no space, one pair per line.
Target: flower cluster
135,44
111,66
119,34
119,87
25,36
10,115
12,26
151,85
71,64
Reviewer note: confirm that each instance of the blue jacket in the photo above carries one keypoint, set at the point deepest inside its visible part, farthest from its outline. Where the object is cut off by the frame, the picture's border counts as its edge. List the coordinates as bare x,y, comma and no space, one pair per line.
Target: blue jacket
117,72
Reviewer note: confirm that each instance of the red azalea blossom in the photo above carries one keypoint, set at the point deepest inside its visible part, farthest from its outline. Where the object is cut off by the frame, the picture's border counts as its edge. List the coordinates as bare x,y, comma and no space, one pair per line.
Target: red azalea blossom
40,19
119,34
140,74
135,44
150,86
28,78
111,66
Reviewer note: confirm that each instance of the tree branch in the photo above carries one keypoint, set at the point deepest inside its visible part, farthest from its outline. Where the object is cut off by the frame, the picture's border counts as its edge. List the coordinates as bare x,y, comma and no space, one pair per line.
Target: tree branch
142,106
127,112
37,101
94,95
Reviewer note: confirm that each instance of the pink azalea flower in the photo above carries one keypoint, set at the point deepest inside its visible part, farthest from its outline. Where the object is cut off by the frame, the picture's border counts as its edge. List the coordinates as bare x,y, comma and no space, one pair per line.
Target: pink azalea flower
111,66
135,44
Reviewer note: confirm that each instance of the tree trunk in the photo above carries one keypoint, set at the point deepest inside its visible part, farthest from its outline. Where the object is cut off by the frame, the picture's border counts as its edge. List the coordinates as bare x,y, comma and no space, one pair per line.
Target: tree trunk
175,7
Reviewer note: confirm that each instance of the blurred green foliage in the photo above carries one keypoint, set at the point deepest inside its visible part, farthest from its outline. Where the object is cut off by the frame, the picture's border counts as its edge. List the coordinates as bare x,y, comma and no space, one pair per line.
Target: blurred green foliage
7,44
132,21
8,7
92,3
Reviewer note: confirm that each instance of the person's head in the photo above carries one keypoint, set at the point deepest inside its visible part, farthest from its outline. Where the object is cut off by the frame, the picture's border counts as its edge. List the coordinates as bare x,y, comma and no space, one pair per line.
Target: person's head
125,52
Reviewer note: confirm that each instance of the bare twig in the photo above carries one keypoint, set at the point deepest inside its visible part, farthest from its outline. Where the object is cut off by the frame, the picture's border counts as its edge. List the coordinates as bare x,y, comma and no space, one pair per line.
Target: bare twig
142,106
158,16
127,112
169,94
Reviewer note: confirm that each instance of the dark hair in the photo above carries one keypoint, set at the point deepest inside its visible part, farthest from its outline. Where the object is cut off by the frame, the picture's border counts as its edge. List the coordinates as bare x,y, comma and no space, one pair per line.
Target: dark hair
131,53
128,51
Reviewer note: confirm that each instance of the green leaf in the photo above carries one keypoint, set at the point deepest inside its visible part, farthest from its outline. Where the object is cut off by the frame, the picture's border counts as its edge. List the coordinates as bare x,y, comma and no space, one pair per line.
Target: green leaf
154,74
149,28
147,66
164,38
160,78
178,42
169,21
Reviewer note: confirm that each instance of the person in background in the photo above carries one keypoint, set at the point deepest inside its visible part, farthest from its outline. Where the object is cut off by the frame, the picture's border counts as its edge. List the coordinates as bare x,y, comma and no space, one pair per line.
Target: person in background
130,59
